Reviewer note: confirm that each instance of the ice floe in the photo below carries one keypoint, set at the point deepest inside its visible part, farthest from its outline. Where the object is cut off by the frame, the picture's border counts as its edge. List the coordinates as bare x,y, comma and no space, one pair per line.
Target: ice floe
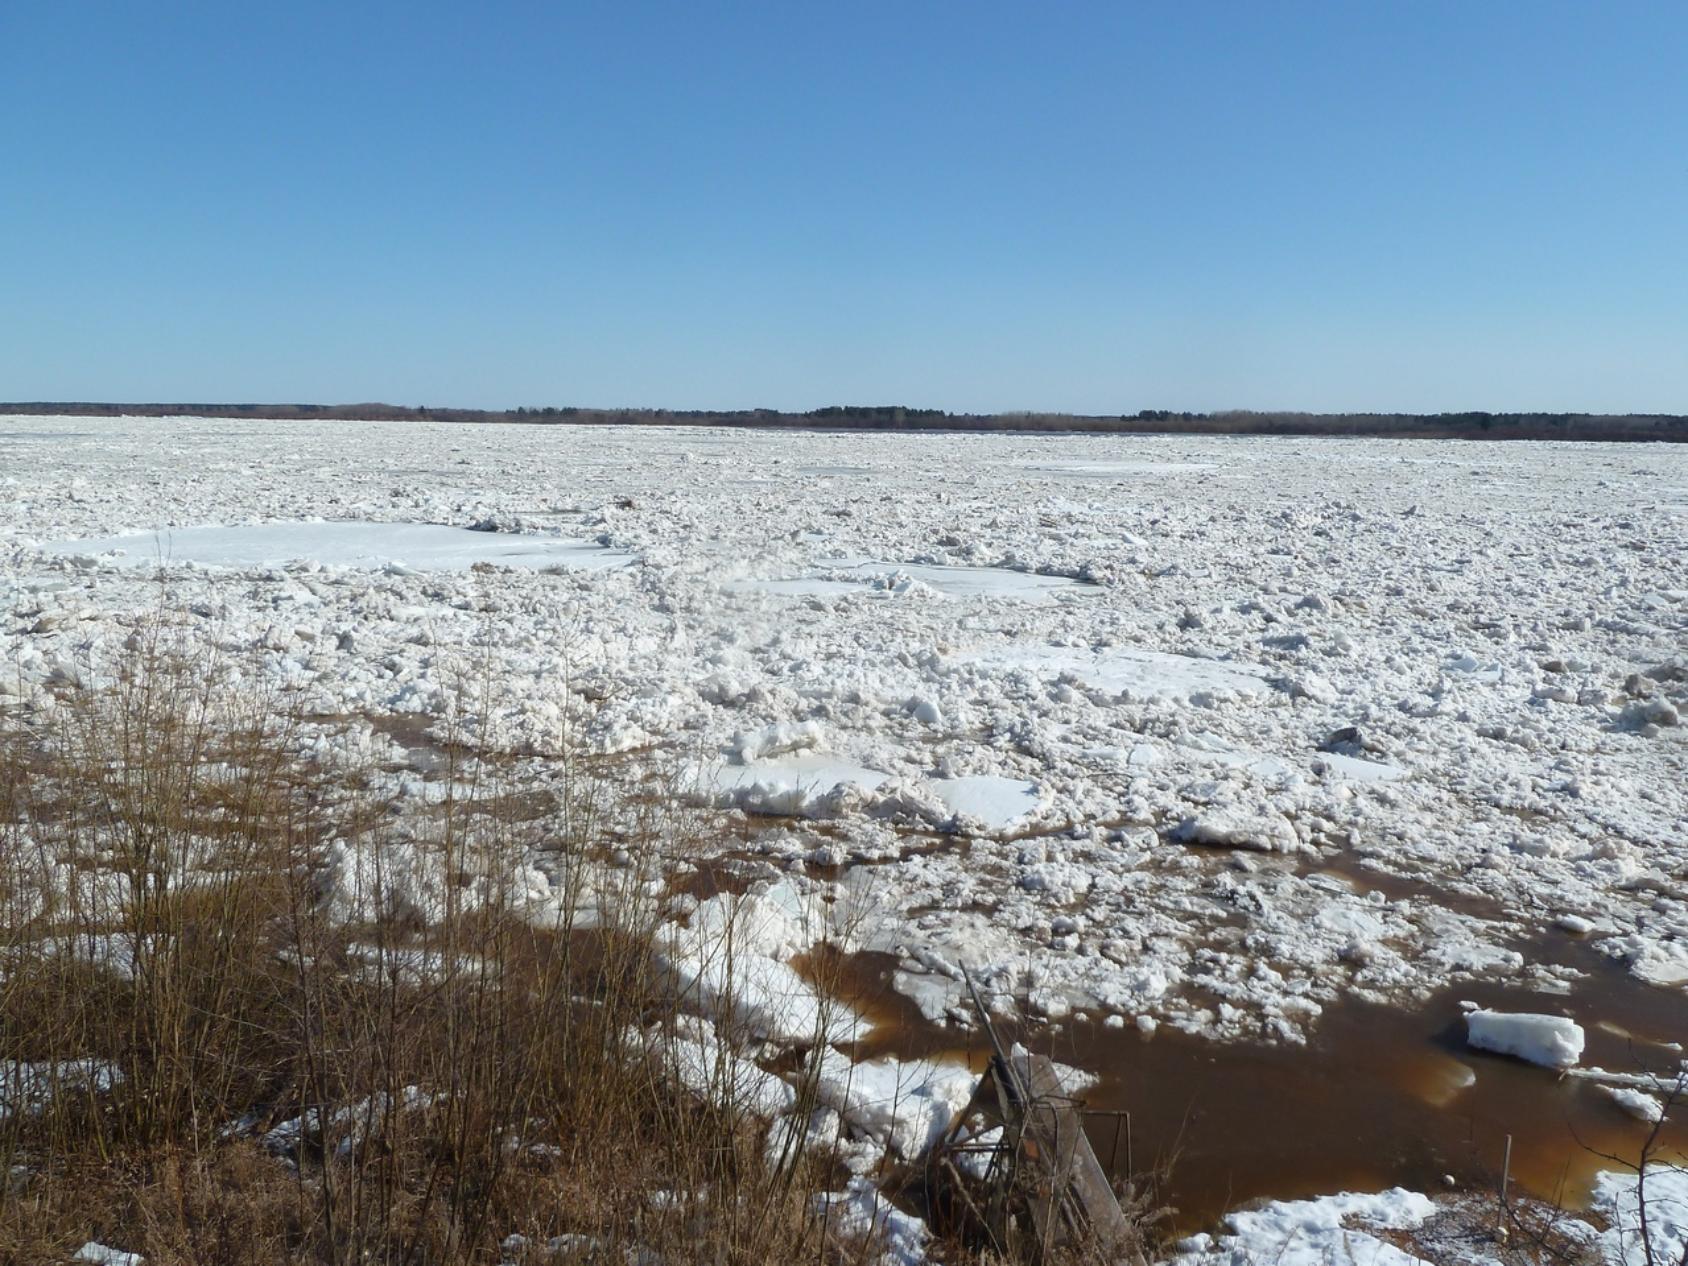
1553,1041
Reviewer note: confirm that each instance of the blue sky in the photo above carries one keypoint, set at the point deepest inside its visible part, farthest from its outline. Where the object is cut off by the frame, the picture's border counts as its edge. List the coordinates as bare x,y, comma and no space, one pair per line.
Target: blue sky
1096,207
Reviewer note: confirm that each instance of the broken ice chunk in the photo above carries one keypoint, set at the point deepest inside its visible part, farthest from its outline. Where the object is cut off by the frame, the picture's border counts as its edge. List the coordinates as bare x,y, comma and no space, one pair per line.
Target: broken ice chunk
1553,1041
1638,1103
1226,828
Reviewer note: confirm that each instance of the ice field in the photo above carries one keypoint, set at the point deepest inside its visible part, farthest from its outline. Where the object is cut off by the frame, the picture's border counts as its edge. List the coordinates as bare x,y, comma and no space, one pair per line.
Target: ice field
1208,733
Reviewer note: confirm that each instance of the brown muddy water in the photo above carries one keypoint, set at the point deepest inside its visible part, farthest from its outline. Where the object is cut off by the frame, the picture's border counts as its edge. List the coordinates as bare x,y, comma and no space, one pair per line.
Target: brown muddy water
1379,1097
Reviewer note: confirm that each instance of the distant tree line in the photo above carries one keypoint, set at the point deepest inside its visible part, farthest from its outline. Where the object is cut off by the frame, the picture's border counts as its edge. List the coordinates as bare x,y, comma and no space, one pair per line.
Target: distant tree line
1470,425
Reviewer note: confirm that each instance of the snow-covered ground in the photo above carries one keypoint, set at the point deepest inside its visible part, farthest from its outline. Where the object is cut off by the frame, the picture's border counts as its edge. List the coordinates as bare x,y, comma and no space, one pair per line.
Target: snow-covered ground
1401,1228
1207,732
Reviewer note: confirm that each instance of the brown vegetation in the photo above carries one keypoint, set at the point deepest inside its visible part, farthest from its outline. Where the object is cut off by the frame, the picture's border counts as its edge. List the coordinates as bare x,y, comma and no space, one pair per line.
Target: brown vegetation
204,1060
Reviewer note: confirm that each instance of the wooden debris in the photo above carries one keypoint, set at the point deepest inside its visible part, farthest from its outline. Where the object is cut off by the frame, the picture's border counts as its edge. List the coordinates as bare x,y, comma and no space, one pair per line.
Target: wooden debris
1044,1193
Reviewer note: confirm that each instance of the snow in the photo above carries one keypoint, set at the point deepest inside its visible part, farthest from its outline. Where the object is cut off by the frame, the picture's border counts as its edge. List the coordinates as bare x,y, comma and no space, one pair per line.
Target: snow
104,1255
1142,727
1330,1231
859,1213
348,1126
903,1106
777,740
361,882
1264,832
1552,1041
29,1086
710,1069
1106,469
1657,961
732,962
1616,1197
1343,1229
1357,770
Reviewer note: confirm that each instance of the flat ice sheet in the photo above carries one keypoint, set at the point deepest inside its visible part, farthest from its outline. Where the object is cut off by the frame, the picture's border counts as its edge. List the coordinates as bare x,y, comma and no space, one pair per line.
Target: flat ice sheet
1106,470
420,546
1133,674
1355,769
996,801
889,579
812,772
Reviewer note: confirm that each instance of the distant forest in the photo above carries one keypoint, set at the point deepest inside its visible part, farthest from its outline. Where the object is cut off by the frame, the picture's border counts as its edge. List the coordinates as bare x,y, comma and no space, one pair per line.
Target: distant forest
1474,426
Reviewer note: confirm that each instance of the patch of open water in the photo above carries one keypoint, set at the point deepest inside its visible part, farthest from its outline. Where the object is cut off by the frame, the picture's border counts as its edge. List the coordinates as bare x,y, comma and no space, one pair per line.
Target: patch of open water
1380,1096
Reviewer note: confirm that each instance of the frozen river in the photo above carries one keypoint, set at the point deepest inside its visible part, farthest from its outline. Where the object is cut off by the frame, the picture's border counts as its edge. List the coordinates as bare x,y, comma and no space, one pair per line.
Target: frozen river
1166,682
1210,733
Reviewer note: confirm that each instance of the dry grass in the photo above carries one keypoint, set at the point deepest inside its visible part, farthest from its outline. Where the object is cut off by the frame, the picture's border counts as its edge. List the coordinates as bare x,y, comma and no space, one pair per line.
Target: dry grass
212,1059
254,1010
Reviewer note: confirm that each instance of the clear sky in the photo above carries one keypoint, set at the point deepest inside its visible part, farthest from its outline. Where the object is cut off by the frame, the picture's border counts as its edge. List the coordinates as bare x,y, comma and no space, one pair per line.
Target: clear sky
1095,207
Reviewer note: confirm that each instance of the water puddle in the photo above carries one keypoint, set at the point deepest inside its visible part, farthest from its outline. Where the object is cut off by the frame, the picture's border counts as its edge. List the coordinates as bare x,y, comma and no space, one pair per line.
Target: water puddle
416,546
1381,1096
728,874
